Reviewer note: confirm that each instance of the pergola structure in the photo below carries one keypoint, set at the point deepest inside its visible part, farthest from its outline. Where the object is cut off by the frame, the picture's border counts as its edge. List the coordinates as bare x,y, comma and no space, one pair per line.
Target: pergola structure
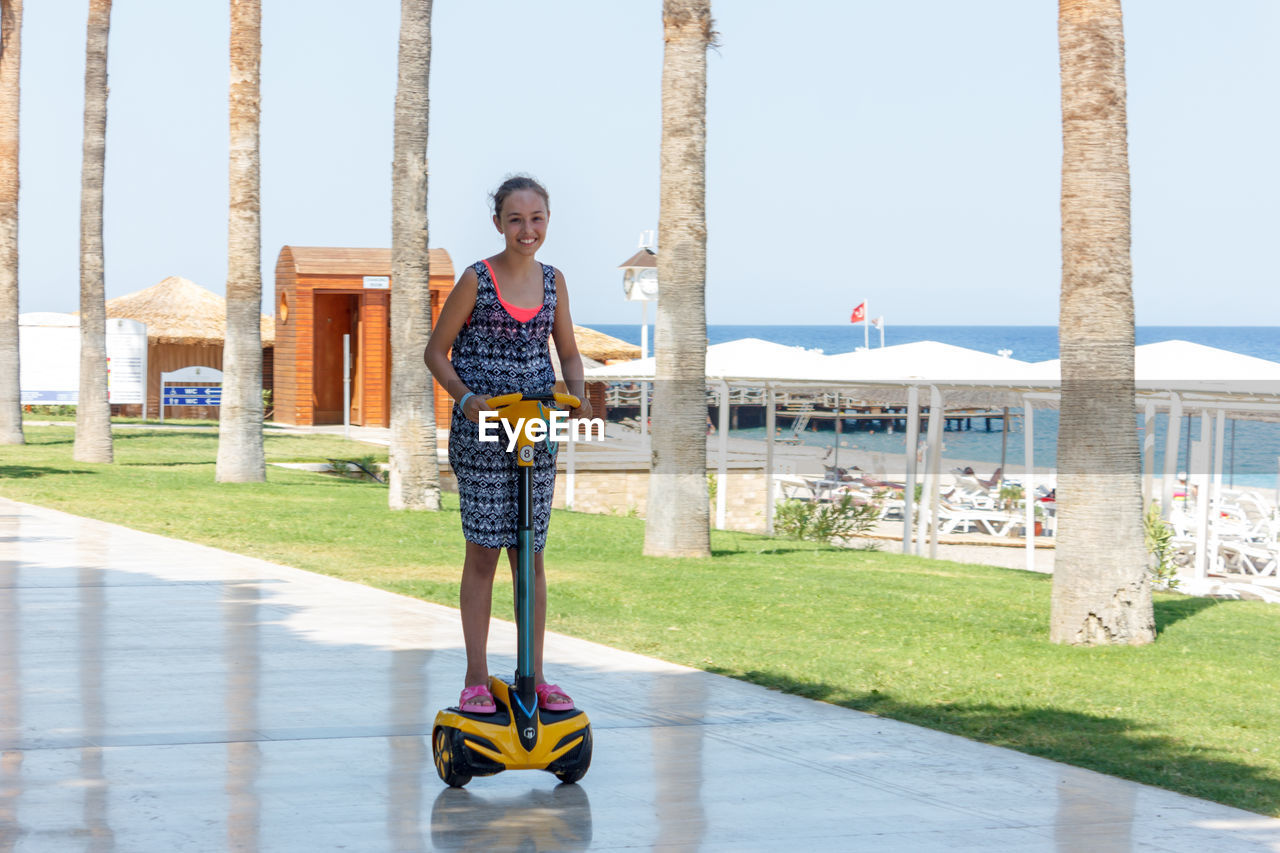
1177,374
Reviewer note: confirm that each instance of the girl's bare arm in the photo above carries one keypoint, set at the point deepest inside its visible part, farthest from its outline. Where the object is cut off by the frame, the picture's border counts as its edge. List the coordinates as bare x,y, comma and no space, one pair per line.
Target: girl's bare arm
457,309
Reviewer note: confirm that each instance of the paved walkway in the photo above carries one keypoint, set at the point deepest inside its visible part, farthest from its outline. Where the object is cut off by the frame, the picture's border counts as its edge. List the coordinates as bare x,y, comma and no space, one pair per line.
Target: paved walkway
161,696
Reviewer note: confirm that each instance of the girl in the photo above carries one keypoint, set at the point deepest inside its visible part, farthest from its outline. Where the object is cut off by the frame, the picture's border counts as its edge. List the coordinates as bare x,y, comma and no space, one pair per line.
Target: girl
497,321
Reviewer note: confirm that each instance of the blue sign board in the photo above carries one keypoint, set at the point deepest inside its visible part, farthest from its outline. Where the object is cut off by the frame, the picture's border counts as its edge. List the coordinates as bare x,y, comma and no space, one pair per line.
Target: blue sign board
192,395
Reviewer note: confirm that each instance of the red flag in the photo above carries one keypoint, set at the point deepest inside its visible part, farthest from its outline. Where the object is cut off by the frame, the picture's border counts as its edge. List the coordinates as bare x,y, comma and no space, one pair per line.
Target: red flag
859,314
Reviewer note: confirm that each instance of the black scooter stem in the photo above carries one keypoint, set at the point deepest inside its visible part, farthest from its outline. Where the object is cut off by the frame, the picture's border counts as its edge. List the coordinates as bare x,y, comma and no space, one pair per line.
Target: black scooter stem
524,595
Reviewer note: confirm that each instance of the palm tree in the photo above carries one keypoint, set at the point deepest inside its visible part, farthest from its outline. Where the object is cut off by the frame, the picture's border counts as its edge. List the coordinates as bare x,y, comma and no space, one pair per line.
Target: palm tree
10,56
678,514
415,474
1101,592
93,412
240,453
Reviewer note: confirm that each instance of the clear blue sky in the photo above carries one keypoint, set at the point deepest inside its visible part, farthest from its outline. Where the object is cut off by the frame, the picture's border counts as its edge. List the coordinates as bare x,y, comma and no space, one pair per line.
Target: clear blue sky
905,153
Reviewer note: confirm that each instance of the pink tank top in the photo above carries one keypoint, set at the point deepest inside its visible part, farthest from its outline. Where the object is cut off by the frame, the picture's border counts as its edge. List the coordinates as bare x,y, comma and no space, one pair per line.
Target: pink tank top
522,315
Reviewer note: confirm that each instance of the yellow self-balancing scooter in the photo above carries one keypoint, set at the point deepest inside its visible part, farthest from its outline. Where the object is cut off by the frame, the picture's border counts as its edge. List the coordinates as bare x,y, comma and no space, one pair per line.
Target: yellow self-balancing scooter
519,735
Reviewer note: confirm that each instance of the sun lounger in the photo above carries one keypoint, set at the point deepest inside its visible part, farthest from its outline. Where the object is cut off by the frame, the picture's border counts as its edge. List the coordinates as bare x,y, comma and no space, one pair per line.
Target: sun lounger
792,487
971,493
1253,514
1247,558
961,519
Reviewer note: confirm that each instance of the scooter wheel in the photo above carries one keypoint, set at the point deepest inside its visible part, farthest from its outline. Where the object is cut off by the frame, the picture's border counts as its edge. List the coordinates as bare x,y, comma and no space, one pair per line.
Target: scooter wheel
570,776
447,757
579,767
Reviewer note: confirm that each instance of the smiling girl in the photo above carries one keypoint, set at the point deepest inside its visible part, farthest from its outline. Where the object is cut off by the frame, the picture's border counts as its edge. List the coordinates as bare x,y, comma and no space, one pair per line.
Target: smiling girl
497,322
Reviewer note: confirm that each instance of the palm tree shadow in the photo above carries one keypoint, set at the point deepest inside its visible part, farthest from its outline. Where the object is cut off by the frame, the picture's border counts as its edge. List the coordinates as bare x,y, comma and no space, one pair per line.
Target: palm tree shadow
1114,745
725,552
30,472
44,441
1169,611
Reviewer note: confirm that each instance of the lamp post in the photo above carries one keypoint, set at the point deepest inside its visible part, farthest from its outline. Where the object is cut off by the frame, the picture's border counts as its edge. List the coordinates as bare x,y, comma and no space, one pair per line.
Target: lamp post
640,284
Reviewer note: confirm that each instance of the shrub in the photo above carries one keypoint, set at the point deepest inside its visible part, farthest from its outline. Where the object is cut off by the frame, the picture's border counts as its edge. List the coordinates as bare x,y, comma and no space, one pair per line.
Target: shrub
1158,535
823,522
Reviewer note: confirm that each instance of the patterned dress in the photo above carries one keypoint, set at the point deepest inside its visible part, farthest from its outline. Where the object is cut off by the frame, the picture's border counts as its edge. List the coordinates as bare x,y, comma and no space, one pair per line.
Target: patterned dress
497,354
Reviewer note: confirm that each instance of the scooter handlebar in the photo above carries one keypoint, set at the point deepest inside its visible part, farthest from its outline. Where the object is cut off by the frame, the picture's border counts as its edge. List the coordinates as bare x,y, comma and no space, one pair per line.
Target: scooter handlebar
567,401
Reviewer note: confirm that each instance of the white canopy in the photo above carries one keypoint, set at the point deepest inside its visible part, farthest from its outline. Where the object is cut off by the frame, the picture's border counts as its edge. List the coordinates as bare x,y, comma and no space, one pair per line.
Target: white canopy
926,363
747,359
1174,365
923,362
973,377
1195,371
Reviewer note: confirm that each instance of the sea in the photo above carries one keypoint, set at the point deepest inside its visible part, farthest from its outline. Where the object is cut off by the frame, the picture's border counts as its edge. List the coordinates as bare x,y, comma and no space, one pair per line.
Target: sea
1251,448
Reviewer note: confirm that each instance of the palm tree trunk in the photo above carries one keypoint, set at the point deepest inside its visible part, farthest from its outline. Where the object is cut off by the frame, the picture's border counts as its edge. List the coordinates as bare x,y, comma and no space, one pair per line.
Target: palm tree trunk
10,64
93,412
415,473
677,511
1101,592
240,453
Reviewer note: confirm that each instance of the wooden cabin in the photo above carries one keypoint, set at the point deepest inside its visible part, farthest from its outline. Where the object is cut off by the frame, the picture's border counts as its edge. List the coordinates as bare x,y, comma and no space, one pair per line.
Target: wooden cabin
186,327
323,294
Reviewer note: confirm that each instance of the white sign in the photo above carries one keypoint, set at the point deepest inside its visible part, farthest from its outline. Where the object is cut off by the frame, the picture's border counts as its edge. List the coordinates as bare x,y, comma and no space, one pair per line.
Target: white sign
126,362
377,282
49,359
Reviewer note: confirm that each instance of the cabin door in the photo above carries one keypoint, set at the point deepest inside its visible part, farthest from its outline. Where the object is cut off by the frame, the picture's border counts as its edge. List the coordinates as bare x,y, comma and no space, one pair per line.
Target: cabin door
337,314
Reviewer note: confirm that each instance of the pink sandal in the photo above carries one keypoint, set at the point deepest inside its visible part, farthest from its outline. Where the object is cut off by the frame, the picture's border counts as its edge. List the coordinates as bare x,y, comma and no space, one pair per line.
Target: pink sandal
477,691
545,690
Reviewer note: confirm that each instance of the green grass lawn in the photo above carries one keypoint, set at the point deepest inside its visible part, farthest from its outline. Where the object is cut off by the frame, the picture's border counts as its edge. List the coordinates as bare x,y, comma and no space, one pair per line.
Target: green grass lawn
953,647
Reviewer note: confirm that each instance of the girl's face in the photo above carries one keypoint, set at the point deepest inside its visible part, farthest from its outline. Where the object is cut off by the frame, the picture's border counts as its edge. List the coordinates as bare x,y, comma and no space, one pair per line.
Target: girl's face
523,222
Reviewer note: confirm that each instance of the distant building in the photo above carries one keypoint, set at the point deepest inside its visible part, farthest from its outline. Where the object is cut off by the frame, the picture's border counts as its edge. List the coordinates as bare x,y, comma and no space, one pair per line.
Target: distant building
186,327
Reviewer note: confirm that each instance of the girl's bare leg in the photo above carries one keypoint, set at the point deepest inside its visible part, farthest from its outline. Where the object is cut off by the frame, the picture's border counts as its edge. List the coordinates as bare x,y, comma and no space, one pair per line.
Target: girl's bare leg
475,601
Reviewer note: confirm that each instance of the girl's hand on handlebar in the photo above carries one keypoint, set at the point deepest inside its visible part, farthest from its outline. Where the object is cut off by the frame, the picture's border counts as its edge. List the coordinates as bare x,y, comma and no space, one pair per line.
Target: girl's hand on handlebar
475,404
583,411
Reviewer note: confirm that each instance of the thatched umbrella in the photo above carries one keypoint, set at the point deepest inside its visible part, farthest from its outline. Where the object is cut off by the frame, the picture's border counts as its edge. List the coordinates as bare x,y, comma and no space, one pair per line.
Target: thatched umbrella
601,347
179,311
186,325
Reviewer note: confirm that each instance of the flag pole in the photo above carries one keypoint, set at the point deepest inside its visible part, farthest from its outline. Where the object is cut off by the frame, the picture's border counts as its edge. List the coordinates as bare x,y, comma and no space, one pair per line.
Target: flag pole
866,324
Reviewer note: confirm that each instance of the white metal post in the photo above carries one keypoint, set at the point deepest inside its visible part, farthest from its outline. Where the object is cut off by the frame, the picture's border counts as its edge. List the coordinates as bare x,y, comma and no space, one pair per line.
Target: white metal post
723,443
935,464
146,380
1170,456
1029,485
1216,491
1198,474
1148,454
346,386
644,353
927,484
770,417
909,491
